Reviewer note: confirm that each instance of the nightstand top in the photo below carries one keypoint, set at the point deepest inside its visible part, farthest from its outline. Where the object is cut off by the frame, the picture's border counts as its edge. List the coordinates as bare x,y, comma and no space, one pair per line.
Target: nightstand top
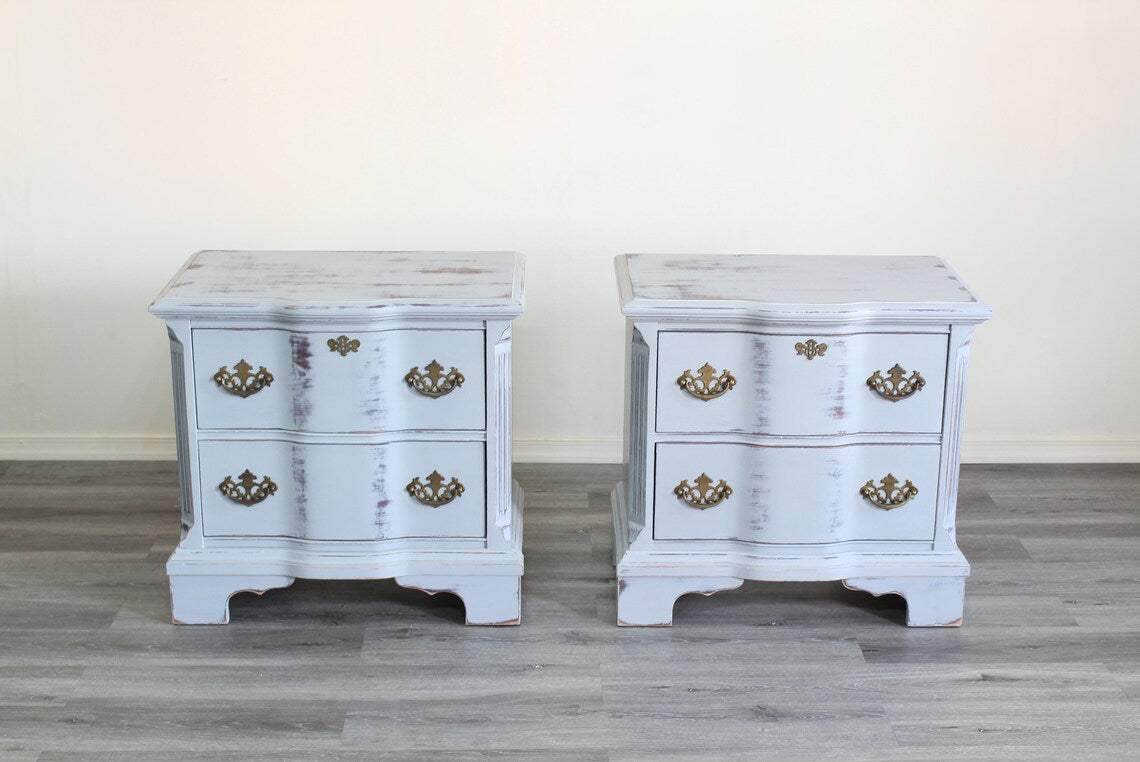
349,284
807,288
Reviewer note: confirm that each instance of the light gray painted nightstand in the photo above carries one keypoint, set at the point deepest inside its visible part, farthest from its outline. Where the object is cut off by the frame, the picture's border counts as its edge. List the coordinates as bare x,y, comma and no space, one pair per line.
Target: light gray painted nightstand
792,418
345,415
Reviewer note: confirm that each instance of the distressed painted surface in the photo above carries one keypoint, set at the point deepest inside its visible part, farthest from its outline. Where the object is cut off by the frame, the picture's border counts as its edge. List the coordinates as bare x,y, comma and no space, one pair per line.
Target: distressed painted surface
499,436
181,433
795,438
956,372
343,492
489,600
342,435
807,287
781,392
795,494
930,601
317,389
639,421
206,599
344,282
648,602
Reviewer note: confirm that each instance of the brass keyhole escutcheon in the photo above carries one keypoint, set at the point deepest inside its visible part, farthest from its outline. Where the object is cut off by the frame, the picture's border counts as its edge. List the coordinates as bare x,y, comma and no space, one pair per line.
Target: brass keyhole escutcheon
811,348
343,345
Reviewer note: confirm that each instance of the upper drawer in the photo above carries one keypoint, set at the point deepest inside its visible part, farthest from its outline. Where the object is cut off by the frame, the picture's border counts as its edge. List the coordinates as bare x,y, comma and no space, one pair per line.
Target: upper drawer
775,387
343,491
323,383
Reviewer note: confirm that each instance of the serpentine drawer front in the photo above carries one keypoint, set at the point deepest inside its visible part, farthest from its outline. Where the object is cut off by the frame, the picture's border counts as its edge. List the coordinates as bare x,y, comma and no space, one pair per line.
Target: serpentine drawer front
322,382
345,415
342,491
816,391
779,496
792,418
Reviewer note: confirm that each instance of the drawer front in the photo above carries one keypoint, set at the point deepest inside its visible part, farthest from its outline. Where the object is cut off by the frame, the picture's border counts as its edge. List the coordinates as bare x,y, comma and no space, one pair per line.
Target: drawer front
341,492
342,387
774,389
793,494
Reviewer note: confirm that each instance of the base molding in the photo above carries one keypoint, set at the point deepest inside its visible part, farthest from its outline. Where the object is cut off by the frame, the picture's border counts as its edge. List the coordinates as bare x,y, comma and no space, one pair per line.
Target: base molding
567,450
35,447
1117,450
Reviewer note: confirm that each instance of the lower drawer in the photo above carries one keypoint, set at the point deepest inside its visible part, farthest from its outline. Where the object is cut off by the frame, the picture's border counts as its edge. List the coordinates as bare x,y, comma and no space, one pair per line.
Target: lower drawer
794,494
342,491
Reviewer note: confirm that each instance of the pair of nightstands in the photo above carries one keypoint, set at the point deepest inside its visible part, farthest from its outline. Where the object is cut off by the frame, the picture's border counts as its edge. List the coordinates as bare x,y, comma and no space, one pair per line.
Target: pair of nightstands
347,415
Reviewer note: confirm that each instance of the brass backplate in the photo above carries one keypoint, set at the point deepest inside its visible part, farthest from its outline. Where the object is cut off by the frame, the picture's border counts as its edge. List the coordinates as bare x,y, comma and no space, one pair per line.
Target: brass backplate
435,493
888,494
703,494
247,490
242,381
434,382
896,386
706,385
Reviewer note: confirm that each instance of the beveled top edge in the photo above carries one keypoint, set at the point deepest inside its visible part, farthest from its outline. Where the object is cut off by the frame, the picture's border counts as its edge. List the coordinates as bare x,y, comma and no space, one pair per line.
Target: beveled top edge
345,284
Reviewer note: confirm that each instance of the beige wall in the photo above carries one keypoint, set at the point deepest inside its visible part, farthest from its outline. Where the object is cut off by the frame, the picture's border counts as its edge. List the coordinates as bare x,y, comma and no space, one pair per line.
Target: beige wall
1004,136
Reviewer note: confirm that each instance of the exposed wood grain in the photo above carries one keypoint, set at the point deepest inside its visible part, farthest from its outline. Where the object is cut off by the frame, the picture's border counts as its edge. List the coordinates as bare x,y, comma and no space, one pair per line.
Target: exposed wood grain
1047,667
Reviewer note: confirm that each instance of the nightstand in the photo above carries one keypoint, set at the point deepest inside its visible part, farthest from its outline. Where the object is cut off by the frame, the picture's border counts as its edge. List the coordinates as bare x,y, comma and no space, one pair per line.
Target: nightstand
792,418
345,415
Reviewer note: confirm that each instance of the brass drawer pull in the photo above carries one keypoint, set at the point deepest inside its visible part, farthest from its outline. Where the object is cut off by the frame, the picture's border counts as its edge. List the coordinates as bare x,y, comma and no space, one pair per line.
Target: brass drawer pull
706,385
433,383
241,381
435,493
344,345
703,495
811,348
890,494
895,386
247,491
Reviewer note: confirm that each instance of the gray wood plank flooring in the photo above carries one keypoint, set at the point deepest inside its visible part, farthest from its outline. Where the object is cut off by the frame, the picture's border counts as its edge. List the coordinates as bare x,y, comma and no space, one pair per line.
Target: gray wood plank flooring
1046,666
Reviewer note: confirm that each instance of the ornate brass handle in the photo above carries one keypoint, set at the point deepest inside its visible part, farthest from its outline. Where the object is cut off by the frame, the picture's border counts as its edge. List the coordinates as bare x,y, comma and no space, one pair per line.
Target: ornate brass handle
435,493
895,386
889,495
344,345
241,381
811,348
703,495
247,490
706,385
433,382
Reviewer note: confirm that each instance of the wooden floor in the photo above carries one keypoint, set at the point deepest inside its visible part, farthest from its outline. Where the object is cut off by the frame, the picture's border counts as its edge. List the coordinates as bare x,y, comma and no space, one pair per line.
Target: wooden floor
1046,666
